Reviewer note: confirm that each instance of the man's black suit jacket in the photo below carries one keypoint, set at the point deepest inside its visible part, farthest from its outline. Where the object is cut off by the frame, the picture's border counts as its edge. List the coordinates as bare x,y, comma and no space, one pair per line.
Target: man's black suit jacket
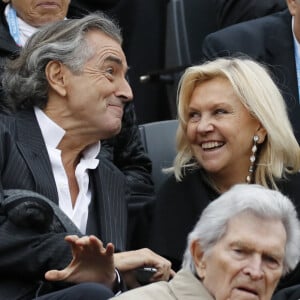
290,293
24,164
230,12
268,40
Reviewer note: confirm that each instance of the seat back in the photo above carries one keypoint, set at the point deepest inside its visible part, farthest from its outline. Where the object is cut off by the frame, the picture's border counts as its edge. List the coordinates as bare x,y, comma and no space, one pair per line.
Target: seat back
188,22
159,141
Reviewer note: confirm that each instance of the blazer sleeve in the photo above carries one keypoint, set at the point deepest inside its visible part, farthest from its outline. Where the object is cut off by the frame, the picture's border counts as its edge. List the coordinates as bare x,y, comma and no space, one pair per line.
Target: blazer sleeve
25,248
33,253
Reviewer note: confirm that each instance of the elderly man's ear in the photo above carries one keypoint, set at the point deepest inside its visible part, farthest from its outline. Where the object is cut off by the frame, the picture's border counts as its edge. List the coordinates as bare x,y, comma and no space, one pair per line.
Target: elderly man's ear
56,76
199,259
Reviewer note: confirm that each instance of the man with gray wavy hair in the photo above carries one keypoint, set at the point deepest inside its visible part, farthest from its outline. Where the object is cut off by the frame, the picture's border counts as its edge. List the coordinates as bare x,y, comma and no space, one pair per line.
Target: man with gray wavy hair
68,88
243,243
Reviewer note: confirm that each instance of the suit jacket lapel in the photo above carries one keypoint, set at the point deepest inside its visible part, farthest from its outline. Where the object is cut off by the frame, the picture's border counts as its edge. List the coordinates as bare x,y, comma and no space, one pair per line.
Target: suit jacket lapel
110,204
280,53
31,144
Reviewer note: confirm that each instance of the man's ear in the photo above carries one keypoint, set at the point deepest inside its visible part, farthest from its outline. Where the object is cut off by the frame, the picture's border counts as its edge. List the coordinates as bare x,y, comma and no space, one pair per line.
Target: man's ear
199,259
55,73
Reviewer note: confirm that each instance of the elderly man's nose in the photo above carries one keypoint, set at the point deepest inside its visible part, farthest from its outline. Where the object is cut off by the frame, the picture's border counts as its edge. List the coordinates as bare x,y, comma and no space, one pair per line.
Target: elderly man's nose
254,268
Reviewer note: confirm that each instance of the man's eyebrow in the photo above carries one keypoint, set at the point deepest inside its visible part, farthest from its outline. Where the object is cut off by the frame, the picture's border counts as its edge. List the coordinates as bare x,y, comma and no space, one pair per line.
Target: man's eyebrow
249,247
242,244
116,60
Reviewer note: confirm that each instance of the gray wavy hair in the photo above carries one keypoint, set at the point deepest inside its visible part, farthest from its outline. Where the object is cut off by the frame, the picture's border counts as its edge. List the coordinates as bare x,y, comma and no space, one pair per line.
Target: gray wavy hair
256,199
24,79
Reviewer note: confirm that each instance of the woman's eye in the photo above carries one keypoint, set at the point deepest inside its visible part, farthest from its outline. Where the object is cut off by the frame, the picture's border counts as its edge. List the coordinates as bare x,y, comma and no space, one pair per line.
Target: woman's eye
193,116
220,111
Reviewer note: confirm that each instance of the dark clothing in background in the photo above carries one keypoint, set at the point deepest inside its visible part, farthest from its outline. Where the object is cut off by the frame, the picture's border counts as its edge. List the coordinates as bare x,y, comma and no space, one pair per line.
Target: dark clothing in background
230,12
291,293
93,5
81,291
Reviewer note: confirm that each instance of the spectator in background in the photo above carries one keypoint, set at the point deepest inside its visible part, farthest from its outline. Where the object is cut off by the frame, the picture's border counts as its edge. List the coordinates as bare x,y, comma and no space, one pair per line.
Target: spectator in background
125,150
93,5
272,40
233,128
242,244
230,12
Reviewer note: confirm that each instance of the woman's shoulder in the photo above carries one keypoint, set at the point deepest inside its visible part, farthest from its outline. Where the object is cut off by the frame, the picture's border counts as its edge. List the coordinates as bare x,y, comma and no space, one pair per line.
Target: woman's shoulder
192,185
191,177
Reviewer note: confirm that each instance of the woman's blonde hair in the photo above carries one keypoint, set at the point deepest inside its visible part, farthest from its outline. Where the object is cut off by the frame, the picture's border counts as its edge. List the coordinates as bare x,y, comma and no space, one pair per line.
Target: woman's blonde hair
279,153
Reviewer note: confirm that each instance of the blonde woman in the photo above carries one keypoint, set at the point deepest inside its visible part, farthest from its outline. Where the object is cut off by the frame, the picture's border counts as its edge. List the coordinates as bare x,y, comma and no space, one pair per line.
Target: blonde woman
233,128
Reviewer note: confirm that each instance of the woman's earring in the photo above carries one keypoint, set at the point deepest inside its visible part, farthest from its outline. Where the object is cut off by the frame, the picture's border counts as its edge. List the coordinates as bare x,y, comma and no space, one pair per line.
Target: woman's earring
252,159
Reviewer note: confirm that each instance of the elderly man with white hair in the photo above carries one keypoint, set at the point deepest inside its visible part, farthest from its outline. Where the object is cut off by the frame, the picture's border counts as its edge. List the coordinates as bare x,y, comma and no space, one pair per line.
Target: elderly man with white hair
243,243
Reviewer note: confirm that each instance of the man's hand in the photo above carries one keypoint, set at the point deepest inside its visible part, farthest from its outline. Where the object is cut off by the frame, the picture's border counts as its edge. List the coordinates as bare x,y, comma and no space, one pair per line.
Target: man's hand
127,262
91,262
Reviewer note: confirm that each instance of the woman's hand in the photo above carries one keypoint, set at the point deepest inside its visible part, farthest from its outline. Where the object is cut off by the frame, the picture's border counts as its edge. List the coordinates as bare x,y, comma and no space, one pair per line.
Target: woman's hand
91,262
